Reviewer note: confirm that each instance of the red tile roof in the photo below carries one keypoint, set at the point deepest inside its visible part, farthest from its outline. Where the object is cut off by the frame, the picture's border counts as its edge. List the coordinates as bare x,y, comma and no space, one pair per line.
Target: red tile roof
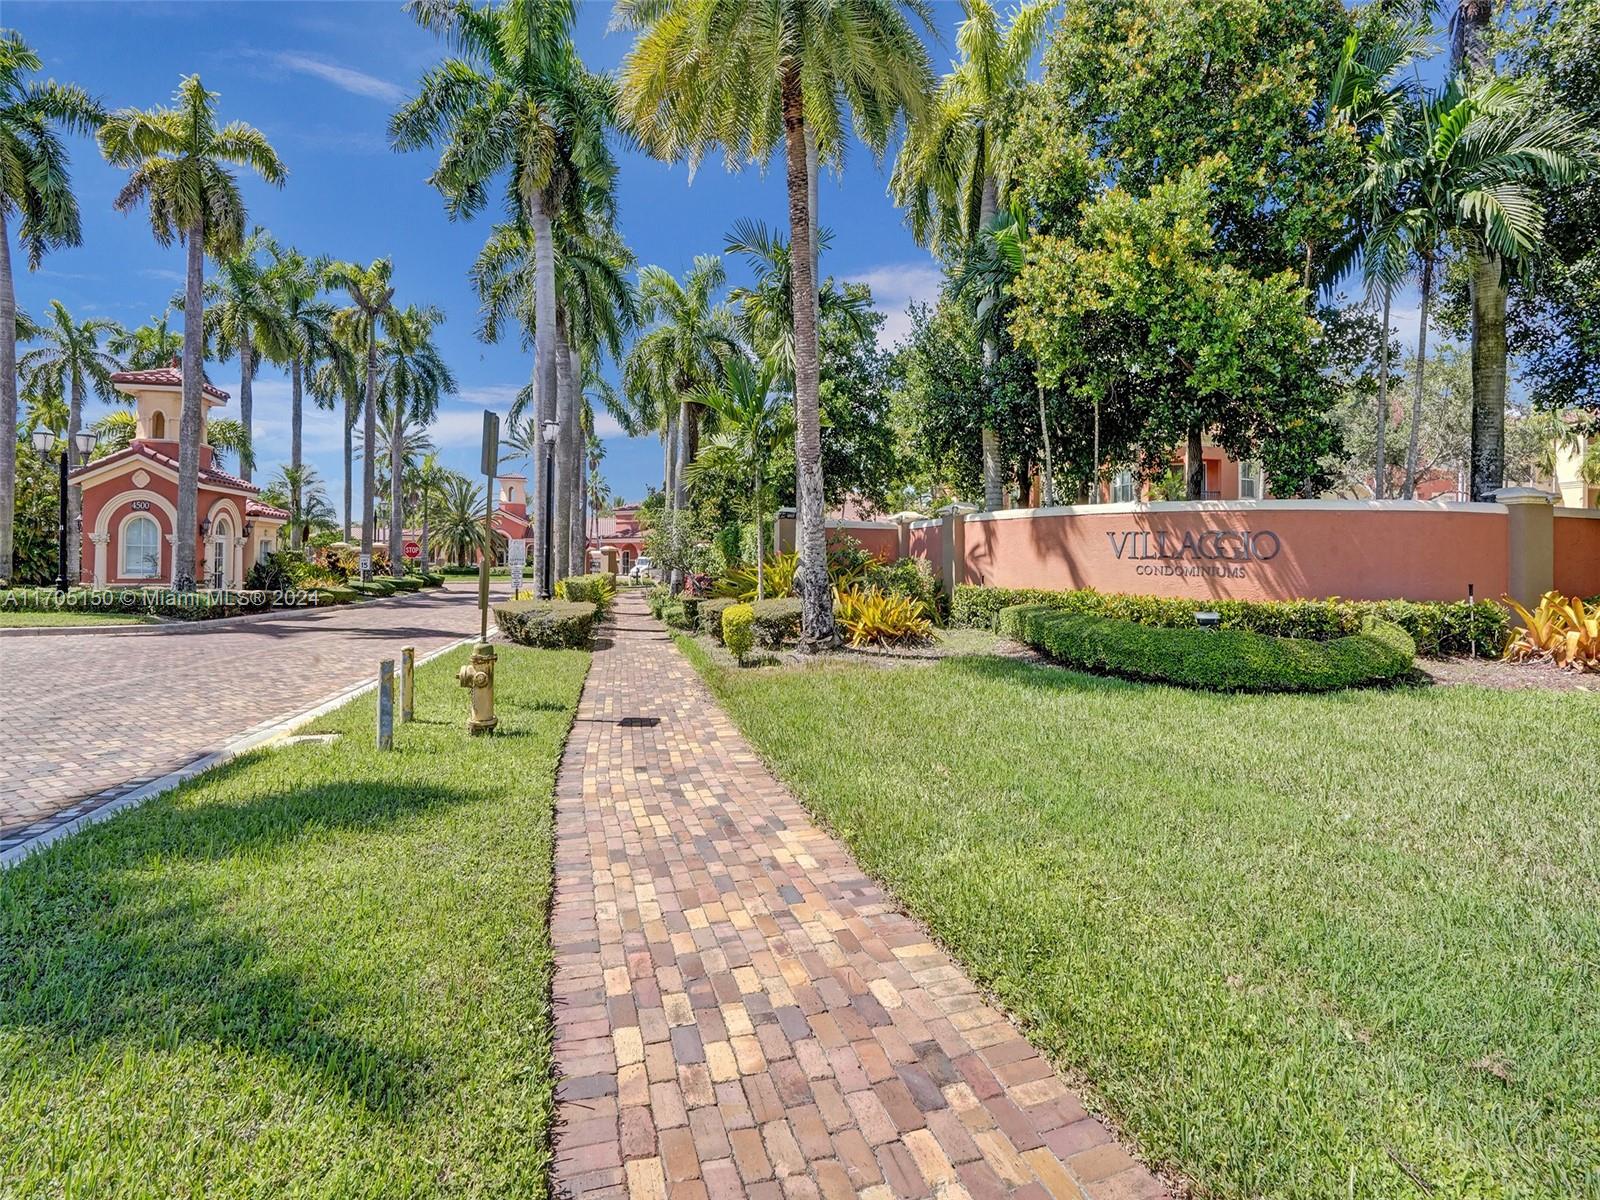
142,450
164,377
255,508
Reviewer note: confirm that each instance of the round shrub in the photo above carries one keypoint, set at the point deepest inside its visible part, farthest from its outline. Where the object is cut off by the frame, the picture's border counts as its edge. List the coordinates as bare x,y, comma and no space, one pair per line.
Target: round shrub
776,622
738,630
547,624
1221,660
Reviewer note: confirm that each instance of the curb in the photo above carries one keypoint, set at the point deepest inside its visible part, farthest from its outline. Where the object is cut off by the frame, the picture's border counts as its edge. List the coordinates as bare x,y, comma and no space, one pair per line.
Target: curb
250,739
165,627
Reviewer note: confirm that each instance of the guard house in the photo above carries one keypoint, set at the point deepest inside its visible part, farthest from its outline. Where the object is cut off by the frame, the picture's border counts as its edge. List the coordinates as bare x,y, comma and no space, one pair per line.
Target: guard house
130,498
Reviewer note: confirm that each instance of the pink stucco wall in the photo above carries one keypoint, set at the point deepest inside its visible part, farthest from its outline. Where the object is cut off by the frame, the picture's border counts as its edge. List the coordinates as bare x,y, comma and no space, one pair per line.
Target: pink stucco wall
1275,550
925,543
880,541
1577,554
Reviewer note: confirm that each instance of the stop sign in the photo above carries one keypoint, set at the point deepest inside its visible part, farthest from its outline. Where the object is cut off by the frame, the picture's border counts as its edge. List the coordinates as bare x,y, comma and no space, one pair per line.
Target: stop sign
412,549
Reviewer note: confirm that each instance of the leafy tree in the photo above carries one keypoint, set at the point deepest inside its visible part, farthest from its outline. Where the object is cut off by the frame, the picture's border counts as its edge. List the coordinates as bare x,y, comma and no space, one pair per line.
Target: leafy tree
179,161
747,75
1141,305
34,185
72,362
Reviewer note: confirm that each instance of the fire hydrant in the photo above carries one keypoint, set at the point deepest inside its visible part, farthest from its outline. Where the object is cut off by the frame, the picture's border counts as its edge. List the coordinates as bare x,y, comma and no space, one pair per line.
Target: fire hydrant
479,676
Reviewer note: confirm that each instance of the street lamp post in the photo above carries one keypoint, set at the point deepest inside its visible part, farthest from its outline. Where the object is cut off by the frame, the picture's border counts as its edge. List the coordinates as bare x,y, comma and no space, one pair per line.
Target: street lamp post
43,441
549,433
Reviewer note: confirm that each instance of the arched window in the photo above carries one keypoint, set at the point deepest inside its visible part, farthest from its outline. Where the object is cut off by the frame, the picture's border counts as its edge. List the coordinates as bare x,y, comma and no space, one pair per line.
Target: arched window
158,426
141,548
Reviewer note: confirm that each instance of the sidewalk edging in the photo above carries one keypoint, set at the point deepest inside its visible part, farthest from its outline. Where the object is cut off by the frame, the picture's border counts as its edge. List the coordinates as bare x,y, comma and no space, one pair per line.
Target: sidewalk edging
250,739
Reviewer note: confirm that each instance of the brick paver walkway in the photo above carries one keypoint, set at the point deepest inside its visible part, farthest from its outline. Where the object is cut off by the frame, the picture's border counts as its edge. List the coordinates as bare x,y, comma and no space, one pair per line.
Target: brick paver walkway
86,717
740,1012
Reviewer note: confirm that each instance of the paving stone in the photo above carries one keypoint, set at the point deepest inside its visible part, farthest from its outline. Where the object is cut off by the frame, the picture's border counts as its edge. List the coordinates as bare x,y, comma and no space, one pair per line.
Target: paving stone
775,1028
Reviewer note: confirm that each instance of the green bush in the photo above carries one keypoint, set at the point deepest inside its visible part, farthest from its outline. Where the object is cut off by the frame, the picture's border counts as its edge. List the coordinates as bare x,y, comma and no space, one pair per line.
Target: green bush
1439,628
658,597
675,615
374,588
548,624
1222,660
738,630
599,589
776,621
406,583
691,609
711,611
339,595
154,602
912,577
429,579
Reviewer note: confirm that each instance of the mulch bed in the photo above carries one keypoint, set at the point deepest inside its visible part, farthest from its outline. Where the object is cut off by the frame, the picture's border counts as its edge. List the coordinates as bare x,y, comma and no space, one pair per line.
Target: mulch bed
1507,676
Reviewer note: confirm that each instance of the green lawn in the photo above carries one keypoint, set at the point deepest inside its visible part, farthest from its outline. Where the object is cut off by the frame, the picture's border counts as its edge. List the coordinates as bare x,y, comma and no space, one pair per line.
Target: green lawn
1298,946
318,971
20,620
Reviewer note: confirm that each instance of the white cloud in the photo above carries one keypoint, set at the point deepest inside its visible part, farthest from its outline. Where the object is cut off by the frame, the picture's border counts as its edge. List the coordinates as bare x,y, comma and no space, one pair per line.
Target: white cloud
347,78
895,287
162,273
498,396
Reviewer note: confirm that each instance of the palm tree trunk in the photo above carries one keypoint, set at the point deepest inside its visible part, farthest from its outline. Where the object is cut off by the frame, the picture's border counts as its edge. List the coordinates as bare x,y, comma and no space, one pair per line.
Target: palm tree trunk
993,485
544,350
8,404
580,515
1488,292
189,421
1413,445
369,449
424,562
397,427
1380,469
349,467
1194,464
246,402
816,593
566,475
296,422
686,424
669,483
74,492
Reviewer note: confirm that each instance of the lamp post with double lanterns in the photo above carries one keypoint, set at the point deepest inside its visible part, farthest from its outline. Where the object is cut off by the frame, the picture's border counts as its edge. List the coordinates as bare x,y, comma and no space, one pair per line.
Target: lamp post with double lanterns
549,432
44,441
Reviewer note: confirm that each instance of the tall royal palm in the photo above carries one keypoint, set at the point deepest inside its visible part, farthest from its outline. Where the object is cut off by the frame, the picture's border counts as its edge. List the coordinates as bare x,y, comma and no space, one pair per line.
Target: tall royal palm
296,283
1466,168
153,344
72,362
368,318
244,317
748,76
688,335
179,159
514,103
35,187
949,172
415,379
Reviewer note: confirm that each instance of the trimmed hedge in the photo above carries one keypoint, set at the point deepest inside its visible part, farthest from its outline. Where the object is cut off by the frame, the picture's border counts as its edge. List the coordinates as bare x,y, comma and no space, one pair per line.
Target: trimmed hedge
1221,660
1438,628
599,589
776,621
738,630
154,602
711,614
673,613
548,624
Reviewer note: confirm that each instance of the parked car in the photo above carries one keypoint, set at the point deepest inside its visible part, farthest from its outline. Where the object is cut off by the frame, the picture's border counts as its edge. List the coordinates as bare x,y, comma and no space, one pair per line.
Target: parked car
642,568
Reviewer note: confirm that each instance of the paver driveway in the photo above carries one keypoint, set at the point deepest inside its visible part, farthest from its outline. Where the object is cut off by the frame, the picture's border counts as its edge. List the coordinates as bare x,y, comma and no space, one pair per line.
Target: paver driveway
87,716
740,1012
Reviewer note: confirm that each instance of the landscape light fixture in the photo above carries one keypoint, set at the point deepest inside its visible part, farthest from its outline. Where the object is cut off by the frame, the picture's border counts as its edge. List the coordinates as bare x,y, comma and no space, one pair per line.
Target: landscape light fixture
85,442
1208,620
43,439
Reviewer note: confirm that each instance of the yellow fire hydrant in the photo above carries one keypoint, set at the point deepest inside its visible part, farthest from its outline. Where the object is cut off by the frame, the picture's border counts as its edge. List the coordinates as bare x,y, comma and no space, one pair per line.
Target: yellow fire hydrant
479,676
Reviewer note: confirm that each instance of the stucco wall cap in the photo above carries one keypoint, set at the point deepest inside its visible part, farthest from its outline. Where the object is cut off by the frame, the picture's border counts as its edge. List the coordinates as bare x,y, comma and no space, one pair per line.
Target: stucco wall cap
1522,495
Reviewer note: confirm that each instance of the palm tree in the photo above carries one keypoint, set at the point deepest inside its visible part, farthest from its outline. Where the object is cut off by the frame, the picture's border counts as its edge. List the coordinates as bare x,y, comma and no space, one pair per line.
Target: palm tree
429,478
71,363
226,436
244,316
338,381
748,75
371,314
515,102
178,157
300,491
35,184
148,346
45,410
461,527
296,283
752,416
114,431
1372,92
1465,168
949,172
415,378
689,336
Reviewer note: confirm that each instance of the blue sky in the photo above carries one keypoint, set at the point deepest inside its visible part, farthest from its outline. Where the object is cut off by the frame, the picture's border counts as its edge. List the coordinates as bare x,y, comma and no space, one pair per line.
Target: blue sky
320,79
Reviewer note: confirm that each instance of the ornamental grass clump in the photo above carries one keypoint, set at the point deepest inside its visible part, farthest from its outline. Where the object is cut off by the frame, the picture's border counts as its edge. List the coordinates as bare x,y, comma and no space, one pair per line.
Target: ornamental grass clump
738,631
874,618
1560,630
